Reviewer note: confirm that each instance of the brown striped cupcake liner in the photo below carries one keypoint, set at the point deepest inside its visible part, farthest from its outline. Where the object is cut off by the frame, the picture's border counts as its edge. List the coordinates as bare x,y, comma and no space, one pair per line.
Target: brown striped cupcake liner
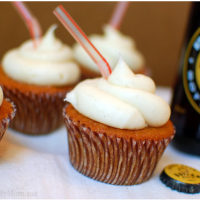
37,114
112,159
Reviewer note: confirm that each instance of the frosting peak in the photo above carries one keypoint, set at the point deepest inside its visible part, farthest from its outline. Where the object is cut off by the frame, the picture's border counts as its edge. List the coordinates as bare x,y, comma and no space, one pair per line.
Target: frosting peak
122,75
125,100
113,35
50,63
49,41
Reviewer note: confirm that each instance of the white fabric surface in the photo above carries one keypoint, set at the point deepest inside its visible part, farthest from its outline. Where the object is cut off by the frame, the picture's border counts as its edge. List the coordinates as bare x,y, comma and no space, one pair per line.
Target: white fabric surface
38,167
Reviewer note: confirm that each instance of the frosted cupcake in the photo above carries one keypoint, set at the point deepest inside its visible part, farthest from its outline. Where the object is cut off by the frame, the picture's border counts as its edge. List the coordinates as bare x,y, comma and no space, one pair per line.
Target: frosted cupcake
111,45
7,113
37,80
117,128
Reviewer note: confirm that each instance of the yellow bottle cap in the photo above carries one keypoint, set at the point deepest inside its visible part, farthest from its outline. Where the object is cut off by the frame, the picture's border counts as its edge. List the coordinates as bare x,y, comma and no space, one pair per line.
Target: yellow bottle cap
181,178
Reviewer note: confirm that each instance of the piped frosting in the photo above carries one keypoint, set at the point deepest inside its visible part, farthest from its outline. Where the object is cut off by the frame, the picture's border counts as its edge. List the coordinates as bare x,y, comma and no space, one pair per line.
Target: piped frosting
125,100
111,45
48,64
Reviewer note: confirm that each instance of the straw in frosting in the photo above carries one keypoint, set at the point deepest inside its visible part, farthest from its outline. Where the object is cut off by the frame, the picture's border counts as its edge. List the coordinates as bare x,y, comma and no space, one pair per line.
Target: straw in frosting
30,21
81,37
118,14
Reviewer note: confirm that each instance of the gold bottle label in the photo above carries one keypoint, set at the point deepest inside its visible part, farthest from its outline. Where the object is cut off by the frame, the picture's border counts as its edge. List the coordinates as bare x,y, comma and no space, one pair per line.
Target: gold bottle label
183,173
191,71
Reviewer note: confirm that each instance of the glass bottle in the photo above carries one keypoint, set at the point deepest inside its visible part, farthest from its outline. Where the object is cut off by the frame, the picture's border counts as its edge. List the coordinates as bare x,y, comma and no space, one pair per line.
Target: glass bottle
186,97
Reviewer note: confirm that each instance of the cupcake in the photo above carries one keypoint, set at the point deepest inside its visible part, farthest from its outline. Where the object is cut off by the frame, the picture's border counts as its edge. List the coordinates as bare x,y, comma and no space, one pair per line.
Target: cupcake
37,79
117,128
7,113
111,45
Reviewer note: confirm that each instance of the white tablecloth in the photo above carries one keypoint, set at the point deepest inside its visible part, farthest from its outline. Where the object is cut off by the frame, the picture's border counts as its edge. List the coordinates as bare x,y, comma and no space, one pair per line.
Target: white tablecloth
38,167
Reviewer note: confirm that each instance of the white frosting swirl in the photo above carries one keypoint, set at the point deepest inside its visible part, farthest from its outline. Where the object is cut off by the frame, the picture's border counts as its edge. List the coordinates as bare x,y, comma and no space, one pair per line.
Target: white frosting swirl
48,64
111,45
1,95
125,100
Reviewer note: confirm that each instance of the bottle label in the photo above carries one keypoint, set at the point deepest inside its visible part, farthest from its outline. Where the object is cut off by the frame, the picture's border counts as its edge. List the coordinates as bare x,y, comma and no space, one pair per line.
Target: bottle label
191,71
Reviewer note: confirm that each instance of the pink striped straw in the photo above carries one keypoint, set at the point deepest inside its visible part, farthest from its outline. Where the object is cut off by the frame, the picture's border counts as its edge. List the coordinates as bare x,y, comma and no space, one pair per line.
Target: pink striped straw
118,14
81,37
30,21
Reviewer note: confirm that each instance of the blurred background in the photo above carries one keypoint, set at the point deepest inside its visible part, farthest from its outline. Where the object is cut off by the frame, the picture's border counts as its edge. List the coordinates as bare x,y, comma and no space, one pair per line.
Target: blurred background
157,27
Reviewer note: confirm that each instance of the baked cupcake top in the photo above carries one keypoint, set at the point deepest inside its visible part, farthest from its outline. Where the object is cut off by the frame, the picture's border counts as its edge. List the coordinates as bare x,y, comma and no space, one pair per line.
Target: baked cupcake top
50,63
124,100
1,95
111,45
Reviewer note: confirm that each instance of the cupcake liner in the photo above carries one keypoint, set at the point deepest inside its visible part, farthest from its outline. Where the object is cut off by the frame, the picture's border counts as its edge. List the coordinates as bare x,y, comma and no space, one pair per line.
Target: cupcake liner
5,121
112,159
37,113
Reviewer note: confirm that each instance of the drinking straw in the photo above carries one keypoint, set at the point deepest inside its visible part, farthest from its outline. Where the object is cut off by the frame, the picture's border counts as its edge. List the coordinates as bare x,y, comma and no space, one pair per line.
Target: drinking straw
81,37
30,21
118,14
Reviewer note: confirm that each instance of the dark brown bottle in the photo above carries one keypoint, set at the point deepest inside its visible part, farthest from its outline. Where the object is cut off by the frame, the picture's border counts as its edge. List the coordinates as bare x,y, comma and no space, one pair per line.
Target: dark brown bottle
186,97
